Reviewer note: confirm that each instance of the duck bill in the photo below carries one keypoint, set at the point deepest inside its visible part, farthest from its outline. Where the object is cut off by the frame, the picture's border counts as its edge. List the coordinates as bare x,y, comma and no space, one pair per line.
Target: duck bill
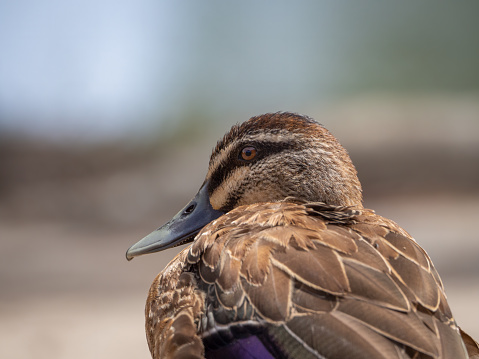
181,229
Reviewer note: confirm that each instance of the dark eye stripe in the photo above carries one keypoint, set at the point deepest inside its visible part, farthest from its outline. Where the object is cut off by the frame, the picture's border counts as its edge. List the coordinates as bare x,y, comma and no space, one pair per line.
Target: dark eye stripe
264,150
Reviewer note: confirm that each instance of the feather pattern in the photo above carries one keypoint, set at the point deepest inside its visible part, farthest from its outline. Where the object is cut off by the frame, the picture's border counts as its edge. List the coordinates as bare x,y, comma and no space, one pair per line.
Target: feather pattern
286,262
287,271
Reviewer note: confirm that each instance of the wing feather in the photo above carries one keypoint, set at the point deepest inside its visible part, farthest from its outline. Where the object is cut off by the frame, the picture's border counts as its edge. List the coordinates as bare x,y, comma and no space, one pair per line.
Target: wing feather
419,281
318,268
370,284
337,335
338,283
272,300
403,327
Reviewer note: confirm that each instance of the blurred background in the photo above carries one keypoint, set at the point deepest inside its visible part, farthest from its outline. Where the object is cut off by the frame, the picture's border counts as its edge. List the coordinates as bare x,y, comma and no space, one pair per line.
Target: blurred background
109,111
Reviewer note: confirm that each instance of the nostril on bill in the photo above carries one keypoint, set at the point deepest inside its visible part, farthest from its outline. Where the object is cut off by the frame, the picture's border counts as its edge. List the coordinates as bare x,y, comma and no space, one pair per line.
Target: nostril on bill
190,209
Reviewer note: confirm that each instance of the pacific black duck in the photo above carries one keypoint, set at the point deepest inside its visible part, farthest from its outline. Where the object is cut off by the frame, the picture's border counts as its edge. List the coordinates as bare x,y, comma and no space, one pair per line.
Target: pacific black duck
286,263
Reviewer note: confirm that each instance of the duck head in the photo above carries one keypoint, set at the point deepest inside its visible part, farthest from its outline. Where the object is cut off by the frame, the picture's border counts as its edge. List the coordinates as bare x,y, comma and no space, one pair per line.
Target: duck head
265,159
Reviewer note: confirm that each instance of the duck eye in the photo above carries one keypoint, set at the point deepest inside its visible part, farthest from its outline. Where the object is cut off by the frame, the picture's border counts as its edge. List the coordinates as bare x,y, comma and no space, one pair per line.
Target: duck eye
248,153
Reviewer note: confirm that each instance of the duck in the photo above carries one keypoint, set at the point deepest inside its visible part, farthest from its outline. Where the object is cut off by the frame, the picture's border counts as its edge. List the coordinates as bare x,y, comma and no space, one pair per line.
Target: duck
284,261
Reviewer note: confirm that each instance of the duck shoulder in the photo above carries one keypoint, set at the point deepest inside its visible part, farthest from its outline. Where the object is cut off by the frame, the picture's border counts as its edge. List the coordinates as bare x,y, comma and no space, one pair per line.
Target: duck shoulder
303,280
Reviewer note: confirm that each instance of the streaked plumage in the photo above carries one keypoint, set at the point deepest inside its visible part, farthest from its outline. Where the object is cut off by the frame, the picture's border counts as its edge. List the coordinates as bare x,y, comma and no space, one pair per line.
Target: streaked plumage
291,265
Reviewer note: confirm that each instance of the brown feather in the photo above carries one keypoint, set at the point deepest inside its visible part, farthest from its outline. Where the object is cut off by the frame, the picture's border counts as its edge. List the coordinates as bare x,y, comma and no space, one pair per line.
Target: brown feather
366,253
283,282
370,284
230,268
319,268
471,345
256,263
419,281
403,327
408,249
271,300
339,239
306,298
297,259
336,335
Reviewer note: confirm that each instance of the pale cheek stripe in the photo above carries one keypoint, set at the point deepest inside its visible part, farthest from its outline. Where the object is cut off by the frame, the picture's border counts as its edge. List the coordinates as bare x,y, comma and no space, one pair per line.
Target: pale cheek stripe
221,194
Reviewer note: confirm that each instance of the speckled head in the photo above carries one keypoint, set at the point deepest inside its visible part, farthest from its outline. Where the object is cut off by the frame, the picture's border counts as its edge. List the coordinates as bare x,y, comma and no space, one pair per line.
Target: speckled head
294,157
266,159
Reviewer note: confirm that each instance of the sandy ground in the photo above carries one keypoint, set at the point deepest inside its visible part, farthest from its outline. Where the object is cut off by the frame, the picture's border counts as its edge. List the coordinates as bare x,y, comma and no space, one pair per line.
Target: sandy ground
68,292
75,298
